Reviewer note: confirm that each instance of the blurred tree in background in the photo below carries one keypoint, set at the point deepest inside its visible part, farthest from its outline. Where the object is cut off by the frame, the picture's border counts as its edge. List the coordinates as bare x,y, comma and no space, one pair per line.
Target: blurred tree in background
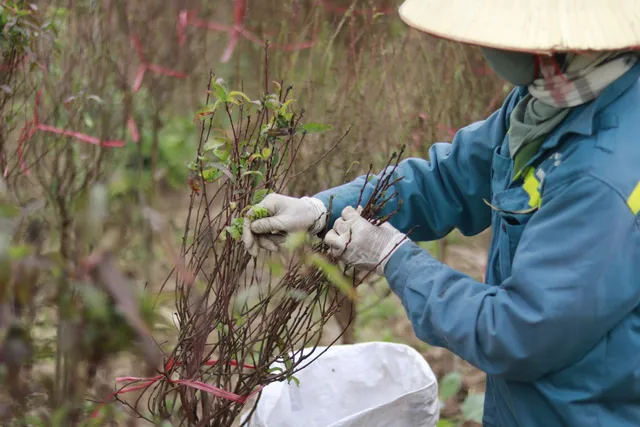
98,99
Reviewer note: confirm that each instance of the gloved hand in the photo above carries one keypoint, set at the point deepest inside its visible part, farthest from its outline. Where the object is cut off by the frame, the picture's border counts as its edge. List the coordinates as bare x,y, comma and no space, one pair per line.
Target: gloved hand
362,245
286,215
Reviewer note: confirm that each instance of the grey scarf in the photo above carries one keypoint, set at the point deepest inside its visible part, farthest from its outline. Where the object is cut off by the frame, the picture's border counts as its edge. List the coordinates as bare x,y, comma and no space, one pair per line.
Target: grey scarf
560,87
579,80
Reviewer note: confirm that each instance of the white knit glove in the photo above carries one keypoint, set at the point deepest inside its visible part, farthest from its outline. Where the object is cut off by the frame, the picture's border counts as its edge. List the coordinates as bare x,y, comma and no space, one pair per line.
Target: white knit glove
362,245
286,215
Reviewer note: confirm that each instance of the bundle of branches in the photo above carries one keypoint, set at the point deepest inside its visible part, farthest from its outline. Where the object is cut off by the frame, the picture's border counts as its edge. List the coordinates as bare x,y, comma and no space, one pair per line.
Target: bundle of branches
238,316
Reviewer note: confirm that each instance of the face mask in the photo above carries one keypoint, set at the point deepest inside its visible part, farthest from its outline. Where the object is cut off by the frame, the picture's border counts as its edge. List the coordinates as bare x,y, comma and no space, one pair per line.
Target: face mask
518,68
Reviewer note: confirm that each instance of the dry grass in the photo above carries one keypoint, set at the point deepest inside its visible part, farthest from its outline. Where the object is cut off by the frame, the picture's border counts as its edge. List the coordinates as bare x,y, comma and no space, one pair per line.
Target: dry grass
391,85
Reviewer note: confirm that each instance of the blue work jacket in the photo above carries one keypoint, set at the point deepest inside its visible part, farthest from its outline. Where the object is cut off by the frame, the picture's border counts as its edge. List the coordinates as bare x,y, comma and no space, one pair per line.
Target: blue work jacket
556,326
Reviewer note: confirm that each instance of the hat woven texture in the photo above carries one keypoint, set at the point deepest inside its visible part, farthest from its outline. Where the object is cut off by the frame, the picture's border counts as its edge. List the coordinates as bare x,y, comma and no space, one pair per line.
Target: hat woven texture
530,25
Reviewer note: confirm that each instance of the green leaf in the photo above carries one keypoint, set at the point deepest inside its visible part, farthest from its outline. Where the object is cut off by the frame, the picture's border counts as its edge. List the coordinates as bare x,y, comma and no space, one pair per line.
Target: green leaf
315,127
284,119
283,108
275,267
88,121
211,175
272,102
334,275
18,252
225,170
288,363
223,155
295,380
220,147
259,195
209,110
236,94
266,153
258,212
295,240
222,329
253,157
235,229
472,407
245,173
450,385
445,423
193,166
220,90
215,143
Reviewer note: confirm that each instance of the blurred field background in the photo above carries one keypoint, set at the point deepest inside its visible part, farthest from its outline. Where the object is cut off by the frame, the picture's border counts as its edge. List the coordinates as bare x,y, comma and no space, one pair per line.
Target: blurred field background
134,73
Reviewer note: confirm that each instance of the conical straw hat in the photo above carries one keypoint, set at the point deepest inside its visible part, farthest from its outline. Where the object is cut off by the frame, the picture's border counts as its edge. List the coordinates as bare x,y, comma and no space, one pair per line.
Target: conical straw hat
530,25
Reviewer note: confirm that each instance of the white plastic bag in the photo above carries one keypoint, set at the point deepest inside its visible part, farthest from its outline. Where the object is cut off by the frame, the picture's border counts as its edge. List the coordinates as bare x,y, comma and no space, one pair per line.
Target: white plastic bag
362,385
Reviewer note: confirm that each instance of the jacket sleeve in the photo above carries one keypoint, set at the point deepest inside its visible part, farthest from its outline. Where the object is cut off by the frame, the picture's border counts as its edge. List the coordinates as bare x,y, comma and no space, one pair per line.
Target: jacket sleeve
572,282
443,193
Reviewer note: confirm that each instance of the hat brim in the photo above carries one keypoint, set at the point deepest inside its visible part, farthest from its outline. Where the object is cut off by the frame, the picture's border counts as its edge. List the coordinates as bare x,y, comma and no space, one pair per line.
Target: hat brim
542,26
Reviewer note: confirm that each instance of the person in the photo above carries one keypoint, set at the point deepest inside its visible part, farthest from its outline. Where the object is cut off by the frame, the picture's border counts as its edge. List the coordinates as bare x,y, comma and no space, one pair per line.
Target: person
555,173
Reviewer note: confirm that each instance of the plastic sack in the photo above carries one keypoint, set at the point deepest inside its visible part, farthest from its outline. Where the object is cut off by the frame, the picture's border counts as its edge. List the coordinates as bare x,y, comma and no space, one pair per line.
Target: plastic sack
362,385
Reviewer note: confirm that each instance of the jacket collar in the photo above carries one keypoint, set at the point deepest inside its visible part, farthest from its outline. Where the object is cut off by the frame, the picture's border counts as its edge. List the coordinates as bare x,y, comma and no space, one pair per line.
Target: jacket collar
582,119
